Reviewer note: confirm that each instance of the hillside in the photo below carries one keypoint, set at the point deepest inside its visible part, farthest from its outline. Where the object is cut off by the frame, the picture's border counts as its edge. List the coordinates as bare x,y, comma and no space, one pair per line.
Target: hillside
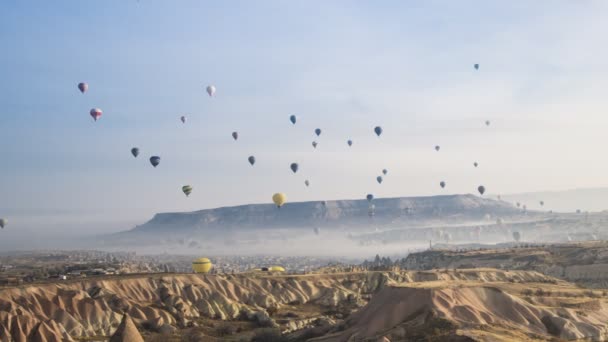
330,307
315,228
585,263
343,213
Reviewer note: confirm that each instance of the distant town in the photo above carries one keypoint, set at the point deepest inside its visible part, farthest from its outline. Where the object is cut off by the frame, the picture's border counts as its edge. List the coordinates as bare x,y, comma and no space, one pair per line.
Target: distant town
46,266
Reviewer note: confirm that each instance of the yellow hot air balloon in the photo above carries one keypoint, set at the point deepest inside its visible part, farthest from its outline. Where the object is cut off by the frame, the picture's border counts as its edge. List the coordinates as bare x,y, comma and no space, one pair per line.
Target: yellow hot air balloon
276,269
279,199
201,265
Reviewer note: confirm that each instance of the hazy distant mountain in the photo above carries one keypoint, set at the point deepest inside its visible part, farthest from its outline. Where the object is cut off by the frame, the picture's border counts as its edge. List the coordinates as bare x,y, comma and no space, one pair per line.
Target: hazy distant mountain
342,213
592,199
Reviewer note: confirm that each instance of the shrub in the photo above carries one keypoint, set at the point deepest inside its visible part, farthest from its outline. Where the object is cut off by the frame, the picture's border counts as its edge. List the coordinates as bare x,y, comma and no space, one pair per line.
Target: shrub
225,329
527,292
268,335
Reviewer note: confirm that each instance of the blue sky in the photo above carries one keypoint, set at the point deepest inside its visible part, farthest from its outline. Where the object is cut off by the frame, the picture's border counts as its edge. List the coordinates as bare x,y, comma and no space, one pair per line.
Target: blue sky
343,66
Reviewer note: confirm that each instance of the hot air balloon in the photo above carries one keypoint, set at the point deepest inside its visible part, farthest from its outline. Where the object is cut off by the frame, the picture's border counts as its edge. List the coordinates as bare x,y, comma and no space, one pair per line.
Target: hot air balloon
516,236
317,230
476,66
294,167
83,87
95,113
314,144
235,135
369,197
481,189
379,179
211,90
135,152
276,269
318,131
293,119
442,184
384,171
155,160
279,199
487,122
437,148
350,143
3,222
187,189
306,182
183,118
542,203
201,265
475,164
378,130
251,160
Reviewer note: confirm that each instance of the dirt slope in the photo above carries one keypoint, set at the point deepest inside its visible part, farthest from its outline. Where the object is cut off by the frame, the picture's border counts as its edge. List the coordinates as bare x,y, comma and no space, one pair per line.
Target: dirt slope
176,303
481,311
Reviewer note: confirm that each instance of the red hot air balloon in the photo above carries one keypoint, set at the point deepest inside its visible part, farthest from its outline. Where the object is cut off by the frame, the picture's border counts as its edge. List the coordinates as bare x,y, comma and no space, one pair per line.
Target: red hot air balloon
96,113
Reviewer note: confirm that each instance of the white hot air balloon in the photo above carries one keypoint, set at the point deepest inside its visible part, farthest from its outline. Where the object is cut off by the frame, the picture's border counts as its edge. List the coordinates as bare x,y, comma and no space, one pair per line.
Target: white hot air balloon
211,90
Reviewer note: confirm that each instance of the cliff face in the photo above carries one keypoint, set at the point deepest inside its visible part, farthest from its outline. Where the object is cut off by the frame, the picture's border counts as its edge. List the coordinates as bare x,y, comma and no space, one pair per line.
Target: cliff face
341,213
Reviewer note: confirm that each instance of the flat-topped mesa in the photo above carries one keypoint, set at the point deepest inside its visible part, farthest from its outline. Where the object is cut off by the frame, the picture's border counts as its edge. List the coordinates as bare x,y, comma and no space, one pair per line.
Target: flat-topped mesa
337,213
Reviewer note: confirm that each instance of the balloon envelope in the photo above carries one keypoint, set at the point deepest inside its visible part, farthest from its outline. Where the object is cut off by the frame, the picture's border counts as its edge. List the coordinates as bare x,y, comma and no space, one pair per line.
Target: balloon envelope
369,197
155,160
476,66
481,189
442,184
385,171
279,199
211,90
201,265
318,131
187,189
293,119
306,182
135,152
183,118
251,160
3,222
294,167
378,130
437,148
487,122
235,135
516,236
475,164
379,179
350,143
95,113
83,87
